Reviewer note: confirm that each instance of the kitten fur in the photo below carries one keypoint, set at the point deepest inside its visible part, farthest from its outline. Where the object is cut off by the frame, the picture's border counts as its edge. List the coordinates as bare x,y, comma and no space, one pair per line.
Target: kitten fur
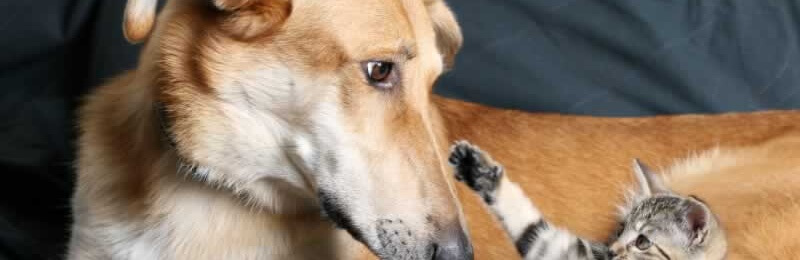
655,223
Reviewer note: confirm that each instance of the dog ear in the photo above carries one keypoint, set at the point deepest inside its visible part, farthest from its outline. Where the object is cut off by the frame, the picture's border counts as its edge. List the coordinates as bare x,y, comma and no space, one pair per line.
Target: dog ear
245,19
138,20
231,5
448,33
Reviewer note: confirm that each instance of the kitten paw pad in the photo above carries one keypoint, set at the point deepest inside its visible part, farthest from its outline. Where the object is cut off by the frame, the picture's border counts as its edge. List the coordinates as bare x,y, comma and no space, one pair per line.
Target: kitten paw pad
474,167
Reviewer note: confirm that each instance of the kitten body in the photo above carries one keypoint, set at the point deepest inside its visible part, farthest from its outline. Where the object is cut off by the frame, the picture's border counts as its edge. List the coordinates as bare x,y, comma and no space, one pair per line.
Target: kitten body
655,223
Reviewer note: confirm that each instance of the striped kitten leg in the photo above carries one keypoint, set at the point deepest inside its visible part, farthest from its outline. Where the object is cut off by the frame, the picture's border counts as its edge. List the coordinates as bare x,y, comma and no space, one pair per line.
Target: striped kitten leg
534,237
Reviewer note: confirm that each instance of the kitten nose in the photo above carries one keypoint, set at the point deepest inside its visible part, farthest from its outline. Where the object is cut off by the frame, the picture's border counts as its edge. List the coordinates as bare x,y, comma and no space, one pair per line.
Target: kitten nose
453,244
615,249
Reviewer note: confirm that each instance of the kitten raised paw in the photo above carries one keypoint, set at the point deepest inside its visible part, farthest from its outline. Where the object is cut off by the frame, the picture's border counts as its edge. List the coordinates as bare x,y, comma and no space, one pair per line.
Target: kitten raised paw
475,168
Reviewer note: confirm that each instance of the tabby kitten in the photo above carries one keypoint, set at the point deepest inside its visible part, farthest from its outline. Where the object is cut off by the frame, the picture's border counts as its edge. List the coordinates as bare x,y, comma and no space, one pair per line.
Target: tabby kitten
656,223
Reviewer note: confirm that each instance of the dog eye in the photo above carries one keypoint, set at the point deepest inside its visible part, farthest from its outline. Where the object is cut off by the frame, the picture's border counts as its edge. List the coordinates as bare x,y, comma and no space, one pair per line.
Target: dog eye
380,74
642,243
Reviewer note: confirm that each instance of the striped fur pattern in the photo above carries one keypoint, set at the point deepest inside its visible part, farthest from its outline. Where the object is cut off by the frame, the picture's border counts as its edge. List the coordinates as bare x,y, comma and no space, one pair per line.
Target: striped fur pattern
656,223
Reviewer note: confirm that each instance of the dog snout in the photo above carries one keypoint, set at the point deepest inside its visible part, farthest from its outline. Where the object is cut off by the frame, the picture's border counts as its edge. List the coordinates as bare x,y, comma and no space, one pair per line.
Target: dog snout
453,244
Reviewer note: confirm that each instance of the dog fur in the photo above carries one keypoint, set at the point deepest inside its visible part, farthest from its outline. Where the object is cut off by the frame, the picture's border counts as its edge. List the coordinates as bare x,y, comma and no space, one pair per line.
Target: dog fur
247,118
565,162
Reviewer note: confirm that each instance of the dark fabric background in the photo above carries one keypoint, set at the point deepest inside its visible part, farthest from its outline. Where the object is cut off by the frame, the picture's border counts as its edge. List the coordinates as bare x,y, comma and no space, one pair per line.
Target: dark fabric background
628,57
608,58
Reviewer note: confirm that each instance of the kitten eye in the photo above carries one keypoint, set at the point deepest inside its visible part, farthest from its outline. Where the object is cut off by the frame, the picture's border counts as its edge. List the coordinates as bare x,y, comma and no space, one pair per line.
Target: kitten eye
642,243
380,74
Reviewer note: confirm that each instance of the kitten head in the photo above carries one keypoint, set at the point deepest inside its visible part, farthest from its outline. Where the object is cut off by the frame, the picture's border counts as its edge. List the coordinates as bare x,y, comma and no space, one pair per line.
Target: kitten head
661,224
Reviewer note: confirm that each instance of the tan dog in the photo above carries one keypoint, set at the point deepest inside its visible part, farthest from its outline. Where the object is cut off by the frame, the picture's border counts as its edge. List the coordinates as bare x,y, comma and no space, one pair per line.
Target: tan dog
576,168
247,118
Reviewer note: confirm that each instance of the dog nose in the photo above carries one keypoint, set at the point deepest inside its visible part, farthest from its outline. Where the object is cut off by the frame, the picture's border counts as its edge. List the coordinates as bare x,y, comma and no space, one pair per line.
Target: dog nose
454,244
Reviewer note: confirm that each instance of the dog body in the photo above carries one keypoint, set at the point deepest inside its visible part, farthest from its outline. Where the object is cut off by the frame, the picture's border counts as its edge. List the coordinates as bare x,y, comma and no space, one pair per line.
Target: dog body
567,162
755,191
251,129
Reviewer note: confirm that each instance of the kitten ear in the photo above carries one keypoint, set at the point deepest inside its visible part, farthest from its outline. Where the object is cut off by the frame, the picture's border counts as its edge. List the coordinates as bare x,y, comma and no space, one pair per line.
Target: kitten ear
698,217
649,181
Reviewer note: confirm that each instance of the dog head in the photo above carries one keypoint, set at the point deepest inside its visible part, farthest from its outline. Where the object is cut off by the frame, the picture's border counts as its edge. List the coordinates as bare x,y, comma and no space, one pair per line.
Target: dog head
302,105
